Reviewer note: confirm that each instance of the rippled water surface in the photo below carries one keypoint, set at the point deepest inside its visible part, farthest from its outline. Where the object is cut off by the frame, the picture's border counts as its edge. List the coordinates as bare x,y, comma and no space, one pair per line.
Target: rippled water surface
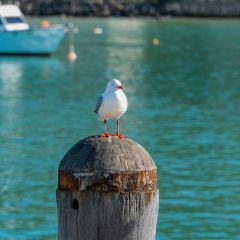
184,98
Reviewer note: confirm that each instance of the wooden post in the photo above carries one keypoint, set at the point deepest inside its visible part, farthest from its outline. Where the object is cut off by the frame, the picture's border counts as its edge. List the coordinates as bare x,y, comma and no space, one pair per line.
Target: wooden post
107,190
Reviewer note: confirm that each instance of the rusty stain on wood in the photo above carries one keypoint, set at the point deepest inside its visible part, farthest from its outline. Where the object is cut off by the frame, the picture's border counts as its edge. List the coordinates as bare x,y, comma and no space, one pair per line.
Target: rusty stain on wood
67,182
116,182
149,197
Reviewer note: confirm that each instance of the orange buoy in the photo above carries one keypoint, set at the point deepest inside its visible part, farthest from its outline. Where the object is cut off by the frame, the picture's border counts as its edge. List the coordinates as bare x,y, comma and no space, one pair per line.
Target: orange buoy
44,24
72,56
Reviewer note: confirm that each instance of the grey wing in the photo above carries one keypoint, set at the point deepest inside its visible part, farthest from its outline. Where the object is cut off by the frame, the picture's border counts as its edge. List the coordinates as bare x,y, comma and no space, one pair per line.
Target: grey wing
99,103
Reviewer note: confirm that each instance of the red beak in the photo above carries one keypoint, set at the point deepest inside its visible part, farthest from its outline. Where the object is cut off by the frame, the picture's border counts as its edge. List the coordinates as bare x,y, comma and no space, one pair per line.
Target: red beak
120,87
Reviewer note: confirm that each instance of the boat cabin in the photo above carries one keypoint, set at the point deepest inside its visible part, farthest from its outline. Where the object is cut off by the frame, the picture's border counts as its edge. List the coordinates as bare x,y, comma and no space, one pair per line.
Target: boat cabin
12,19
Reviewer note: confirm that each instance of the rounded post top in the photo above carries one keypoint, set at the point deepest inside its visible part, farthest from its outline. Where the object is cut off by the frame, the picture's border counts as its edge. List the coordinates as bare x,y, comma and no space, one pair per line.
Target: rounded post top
109,154
107,164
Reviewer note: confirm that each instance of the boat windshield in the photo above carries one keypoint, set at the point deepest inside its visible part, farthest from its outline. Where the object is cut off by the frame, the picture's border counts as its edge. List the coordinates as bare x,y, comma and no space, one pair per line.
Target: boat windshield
14,20
1,23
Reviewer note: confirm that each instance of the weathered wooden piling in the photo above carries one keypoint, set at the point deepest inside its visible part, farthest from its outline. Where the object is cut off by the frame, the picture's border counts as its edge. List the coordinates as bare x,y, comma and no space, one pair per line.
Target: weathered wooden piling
107,190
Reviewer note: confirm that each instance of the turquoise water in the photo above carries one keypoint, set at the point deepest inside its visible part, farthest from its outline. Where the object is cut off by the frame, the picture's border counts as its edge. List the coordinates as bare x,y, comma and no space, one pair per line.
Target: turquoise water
183,108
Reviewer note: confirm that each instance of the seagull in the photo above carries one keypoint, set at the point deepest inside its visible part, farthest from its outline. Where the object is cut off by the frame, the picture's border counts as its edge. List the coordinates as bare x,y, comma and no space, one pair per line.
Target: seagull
112,104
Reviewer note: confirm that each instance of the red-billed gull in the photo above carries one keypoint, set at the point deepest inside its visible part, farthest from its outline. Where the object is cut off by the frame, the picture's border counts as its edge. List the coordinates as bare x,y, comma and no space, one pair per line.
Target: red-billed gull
112,104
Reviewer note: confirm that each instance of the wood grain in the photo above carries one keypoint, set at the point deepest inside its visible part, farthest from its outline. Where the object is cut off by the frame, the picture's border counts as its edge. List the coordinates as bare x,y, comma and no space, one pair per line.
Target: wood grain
107,190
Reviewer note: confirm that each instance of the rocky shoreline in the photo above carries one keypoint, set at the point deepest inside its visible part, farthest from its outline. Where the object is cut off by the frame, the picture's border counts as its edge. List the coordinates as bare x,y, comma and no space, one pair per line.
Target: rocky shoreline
187,8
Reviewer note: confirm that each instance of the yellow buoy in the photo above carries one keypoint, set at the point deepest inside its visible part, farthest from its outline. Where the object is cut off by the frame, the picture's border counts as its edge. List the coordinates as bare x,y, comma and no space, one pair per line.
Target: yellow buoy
44,24
155,41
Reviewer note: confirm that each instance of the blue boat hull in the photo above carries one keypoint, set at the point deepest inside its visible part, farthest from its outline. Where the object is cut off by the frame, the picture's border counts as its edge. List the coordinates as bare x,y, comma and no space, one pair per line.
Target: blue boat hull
36,41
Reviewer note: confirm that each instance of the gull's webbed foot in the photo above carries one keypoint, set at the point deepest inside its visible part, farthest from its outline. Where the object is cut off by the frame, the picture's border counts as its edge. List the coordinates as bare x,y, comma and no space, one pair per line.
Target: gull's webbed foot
105,134
119,135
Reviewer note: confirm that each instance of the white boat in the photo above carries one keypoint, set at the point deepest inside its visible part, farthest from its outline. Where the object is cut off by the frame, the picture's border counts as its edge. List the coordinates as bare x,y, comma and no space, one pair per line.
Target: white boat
18,38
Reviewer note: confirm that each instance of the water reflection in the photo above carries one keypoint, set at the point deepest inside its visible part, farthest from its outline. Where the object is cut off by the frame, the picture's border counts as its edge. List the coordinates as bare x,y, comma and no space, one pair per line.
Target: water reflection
21,84
10,79
11,74
17,80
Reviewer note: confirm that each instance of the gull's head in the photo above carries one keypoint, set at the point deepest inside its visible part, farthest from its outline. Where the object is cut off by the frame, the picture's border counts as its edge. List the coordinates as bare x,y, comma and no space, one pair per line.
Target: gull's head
114,85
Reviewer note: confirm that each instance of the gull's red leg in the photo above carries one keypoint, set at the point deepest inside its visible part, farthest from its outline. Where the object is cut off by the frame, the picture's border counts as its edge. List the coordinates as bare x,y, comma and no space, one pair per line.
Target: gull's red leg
118,130
105,134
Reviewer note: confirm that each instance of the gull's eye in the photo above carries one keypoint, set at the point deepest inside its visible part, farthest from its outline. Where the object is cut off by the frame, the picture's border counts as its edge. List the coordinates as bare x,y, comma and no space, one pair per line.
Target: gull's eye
113,84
